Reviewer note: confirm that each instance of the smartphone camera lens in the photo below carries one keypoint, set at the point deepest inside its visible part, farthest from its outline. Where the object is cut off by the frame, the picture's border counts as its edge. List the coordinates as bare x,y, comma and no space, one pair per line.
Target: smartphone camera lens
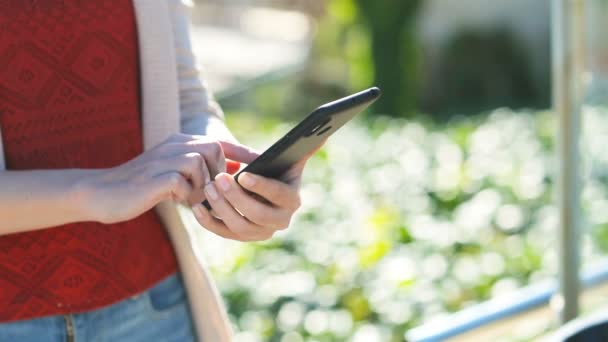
318,127
313,130
324,130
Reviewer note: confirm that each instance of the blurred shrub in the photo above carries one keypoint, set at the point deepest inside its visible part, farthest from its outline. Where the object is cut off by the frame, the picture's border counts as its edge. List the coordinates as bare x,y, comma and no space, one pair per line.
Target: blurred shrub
482,70
403,221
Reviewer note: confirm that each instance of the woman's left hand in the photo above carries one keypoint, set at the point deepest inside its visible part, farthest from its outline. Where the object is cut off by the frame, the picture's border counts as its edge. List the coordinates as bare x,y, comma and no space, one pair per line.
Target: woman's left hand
253,216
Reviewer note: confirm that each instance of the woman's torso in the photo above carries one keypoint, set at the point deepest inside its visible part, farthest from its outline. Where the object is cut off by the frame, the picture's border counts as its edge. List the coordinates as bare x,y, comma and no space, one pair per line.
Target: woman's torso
70,98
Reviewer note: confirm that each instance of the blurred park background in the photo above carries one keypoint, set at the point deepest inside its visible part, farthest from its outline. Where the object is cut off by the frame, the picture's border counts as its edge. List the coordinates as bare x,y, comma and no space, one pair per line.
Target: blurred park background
439,197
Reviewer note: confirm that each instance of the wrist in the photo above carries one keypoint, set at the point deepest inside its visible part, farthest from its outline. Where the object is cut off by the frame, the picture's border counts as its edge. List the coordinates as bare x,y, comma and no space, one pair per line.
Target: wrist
82,195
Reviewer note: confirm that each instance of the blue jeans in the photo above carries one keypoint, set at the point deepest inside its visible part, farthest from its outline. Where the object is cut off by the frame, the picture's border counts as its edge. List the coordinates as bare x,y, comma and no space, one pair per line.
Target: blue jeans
159,314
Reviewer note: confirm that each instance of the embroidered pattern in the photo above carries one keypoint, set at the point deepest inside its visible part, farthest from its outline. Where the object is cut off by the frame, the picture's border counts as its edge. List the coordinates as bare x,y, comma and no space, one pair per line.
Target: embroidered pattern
69,98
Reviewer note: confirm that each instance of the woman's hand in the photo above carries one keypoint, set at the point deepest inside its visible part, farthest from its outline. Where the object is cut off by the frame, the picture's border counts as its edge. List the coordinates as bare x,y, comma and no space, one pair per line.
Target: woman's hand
257,215
176,169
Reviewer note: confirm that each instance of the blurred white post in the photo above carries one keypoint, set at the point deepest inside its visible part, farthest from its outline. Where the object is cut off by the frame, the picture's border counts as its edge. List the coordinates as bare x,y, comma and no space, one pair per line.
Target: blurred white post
566,54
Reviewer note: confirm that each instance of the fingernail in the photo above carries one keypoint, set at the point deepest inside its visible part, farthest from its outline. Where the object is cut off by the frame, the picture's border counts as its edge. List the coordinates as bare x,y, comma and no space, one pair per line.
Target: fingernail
247,180
210,191
223,182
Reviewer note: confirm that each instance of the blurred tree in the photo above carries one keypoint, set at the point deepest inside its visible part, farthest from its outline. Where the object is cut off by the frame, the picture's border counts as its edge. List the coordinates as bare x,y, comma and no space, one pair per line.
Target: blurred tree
391,27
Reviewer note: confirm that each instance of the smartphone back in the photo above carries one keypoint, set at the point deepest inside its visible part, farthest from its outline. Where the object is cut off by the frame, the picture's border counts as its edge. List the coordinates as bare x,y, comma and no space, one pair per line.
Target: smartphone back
311,133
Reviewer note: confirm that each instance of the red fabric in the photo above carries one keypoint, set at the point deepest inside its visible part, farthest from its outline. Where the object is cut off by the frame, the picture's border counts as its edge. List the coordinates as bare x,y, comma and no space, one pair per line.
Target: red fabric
69,98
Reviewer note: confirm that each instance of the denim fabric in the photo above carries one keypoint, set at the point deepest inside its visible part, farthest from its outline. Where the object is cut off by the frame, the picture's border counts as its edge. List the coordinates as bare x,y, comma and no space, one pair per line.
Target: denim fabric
159,314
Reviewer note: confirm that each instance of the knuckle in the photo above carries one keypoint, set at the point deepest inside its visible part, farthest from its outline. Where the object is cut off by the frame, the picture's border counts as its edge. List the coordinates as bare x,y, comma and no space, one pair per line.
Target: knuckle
195,159
216,149
213,146
194,156
174,180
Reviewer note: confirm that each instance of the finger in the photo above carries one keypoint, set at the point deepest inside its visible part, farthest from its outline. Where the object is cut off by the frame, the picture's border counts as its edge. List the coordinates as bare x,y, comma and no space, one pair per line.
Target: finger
214,152
238,152
232,150
196,166
255,211
214,156
213,224
210,150
232,218
293,176
196,196
171,185
191,165
276,192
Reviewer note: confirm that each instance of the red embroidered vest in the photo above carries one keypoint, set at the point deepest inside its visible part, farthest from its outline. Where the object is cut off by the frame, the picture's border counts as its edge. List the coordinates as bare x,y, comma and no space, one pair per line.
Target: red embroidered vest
69,98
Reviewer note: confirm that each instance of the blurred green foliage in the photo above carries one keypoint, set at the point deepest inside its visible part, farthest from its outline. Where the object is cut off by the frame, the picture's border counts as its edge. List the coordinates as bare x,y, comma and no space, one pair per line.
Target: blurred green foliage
403,221
377,40
360,43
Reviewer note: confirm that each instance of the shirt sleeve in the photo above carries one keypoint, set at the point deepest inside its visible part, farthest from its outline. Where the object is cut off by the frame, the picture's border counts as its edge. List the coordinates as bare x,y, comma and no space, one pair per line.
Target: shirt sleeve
199,112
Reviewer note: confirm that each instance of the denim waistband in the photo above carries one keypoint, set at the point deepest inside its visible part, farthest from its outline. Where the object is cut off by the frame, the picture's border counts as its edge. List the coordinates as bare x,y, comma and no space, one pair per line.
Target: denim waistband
158,314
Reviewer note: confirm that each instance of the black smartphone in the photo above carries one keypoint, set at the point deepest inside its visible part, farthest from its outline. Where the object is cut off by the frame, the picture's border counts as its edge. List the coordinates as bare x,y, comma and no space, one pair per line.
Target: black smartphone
308,135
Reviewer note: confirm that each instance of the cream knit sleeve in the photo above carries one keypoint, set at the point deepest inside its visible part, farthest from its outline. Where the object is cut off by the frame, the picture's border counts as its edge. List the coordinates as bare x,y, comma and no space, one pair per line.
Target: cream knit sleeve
199,112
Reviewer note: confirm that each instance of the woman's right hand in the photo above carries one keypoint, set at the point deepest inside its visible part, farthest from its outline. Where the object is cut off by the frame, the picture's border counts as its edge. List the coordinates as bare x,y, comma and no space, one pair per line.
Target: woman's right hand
176,169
